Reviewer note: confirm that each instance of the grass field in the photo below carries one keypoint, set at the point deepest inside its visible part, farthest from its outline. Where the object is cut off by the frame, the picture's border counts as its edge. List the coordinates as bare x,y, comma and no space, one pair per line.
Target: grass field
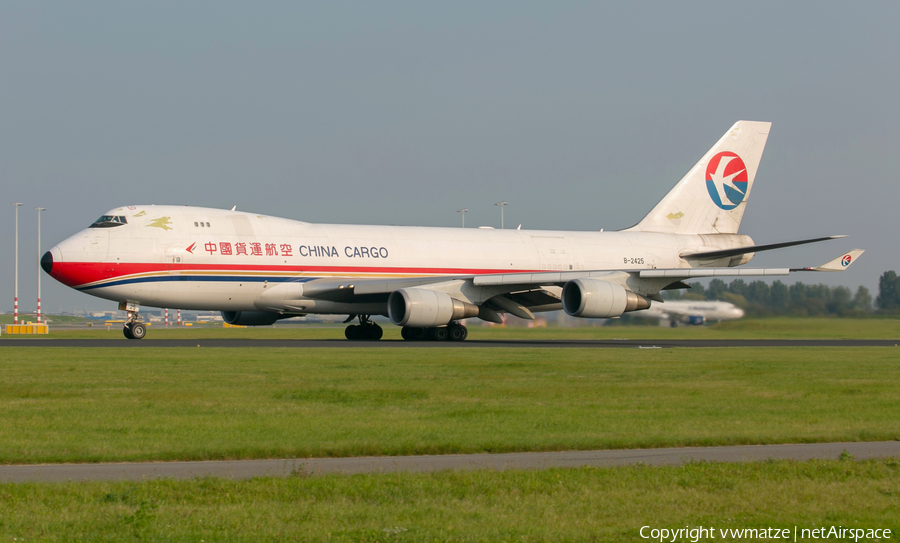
771,328
115,404
587,504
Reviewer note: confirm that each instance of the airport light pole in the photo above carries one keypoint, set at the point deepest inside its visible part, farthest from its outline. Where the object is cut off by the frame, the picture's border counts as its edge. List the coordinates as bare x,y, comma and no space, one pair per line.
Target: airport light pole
39,209
463,213
16,260
501,204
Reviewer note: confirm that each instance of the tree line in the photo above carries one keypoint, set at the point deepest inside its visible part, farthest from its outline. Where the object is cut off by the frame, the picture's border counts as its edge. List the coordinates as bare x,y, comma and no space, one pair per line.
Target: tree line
759,299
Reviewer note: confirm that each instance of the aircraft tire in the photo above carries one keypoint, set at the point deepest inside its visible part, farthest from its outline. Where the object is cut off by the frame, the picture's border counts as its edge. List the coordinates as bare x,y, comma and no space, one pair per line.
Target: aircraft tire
126,331
457,333
411,333
138,331
352,332
438,334
373,332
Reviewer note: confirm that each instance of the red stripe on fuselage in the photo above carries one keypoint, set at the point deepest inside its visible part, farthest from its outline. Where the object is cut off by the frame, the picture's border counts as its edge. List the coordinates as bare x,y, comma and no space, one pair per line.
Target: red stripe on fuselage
76,274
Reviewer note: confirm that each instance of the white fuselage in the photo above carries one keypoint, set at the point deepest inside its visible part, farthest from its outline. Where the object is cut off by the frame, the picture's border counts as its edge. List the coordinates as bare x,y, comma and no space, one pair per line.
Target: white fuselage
210,259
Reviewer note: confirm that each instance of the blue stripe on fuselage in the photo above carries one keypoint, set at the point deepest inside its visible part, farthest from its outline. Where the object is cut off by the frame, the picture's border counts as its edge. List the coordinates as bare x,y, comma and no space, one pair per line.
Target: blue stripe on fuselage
222,278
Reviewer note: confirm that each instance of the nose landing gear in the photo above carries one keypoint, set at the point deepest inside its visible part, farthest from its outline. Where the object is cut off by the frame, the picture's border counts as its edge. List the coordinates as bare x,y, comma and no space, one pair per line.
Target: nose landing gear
134,328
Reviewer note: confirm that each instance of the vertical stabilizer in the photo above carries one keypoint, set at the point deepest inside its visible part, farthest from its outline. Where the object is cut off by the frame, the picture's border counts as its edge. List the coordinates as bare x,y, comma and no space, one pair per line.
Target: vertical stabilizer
711,197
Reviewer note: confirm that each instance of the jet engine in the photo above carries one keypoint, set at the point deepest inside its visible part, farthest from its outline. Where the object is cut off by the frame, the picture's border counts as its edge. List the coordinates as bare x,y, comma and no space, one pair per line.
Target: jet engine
423,308
593,299
251,318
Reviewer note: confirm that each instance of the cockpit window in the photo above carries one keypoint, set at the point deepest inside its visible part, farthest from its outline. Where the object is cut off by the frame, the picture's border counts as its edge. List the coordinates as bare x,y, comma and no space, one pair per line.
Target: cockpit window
109,221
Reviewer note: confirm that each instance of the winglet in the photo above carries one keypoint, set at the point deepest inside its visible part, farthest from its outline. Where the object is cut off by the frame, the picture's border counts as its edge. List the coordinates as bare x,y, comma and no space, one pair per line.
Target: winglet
840,263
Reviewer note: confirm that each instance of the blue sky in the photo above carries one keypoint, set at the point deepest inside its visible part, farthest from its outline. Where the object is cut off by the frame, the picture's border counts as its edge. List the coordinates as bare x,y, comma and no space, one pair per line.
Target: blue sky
581,115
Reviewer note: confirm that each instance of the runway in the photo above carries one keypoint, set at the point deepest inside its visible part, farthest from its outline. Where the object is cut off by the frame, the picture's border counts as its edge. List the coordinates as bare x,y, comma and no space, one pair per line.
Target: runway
246,469
7,341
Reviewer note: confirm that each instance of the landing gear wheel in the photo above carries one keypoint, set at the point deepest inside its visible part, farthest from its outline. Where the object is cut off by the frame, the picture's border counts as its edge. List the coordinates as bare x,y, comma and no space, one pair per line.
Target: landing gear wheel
374,332
411,333
457,332
365,330
134,328
138,331
439,334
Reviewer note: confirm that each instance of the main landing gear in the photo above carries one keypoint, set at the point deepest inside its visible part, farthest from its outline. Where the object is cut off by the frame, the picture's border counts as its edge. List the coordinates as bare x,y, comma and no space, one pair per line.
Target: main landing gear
134,328
452,332
366,330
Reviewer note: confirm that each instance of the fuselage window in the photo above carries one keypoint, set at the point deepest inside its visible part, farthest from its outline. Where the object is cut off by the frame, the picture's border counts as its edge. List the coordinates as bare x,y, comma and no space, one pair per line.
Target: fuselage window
207,224
195,223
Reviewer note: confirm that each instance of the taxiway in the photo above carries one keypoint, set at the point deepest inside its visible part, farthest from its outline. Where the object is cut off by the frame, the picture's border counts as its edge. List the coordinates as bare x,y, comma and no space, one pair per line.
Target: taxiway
344,344
246,469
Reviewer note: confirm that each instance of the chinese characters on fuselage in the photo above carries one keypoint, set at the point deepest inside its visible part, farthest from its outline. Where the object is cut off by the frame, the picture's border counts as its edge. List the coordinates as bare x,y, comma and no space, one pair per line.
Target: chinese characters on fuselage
227,248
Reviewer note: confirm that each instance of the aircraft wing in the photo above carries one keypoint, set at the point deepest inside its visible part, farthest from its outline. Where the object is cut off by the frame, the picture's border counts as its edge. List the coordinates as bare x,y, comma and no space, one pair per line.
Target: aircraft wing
523,292
675,274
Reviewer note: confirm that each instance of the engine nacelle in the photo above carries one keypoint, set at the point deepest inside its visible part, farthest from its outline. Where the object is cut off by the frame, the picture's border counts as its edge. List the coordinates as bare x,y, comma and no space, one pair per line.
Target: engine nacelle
251,318
424,308
594,299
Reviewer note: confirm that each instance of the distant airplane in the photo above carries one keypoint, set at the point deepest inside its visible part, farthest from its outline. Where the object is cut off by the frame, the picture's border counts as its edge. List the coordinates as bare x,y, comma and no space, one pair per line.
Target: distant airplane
693,312
257,269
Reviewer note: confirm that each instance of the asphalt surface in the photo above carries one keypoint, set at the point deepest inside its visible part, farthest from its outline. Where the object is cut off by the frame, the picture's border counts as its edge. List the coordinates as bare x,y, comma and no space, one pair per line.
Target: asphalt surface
246,469
7,341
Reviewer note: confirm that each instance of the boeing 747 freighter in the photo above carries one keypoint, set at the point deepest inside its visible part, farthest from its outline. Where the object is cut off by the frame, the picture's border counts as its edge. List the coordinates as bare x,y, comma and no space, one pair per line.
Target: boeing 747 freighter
257,269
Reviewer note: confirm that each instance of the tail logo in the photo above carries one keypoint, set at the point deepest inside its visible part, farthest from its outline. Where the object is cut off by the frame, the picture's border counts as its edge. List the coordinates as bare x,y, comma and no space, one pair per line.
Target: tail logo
726,180
846,260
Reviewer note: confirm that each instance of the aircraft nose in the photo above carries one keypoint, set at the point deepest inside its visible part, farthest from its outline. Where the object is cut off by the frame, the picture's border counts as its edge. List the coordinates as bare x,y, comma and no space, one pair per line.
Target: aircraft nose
55,263
47,262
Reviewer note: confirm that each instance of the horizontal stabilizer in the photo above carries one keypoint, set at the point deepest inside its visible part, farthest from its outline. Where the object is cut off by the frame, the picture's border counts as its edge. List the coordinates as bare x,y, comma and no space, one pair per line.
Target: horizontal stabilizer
840,263
753,248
